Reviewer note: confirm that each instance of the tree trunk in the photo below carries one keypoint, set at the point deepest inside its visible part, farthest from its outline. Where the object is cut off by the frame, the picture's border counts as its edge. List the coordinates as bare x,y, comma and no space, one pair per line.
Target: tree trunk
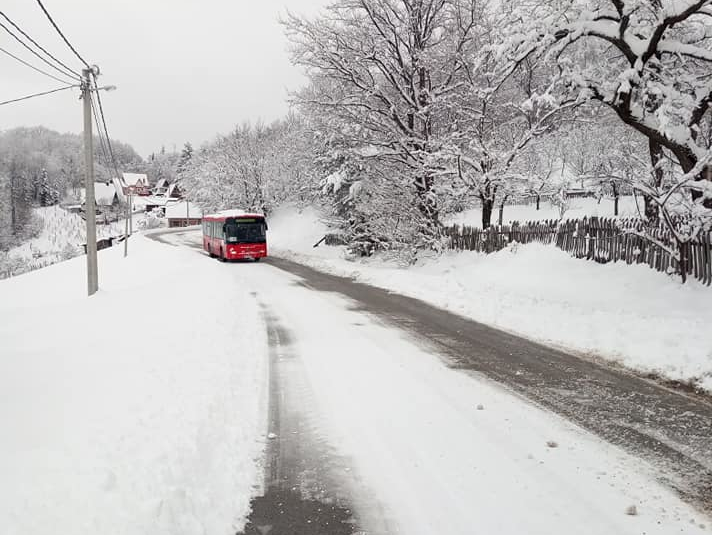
538,198
684,259
426,204
616,198
501,210
487,207
656,156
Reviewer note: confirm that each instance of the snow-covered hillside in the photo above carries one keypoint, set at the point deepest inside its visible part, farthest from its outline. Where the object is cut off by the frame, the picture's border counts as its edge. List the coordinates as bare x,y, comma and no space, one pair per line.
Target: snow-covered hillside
61,237
628,314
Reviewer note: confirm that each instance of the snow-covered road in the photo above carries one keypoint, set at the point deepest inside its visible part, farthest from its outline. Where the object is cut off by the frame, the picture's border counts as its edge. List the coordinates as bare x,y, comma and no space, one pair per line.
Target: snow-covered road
149,409
443,451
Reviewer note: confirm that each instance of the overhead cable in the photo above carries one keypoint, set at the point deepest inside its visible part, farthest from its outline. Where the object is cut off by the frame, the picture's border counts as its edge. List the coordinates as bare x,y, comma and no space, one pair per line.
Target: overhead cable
33,52
62,35
69,70
37,95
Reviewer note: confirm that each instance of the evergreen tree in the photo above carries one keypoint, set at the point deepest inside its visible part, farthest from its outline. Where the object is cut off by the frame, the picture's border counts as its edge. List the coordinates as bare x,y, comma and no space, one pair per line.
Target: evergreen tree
185,156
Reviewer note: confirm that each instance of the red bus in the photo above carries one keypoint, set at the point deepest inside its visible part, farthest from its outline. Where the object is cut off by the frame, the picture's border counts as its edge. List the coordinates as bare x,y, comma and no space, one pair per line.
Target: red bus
235,235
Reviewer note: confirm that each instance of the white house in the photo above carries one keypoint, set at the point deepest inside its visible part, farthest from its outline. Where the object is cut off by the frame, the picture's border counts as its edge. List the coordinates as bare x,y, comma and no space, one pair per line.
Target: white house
105,195
183,214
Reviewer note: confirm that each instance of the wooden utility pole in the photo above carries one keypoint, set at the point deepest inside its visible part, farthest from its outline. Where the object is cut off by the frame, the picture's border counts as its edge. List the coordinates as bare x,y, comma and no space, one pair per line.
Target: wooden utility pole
89,204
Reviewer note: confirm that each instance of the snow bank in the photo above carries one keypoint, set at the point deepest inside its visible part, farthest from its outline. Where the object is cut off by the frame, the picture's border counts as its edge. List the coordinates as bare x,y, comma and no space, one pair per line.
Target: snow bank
134,411
295,228
629,314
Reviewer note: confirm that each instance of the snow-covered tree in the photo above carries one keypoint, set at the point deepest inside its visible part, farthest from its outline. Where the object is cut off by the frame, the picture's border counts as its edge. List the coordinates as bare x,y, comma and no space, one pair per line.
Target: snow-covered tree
380,73
185,155
255,167
649,61
503,109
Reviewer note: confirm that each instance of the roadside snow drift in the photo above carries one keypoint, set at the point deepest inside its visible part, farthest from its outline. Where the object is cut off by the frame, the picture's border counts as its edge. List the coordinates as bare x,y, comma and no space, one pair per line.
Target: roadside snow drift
139,410
629,314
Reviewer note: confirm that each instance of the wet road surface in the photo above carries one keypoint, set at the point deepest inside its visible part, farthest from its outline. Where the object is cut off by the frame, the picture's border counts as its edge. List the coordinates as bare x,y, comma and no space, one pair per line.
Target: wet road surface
309,488
671,429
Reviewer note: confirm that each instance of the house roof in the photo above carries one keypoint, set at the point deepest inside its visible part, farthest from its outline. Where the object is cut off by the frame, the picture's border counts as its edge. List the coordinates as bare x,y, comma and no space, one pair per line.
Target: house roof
135,179
178,210
171,189
103,193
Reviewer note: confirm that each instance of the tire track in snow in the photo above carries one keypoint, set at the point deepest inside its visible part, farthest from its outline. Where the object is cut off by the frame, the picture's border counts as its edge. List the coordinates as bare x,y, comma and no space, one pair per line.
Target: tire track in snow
309,489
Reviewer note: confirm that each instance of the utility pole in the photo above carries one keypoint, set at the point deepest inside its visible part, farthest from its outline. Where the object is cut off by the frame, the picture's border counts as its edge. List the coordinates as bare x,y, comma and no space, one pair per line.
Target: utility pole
131,213
126,226
90,205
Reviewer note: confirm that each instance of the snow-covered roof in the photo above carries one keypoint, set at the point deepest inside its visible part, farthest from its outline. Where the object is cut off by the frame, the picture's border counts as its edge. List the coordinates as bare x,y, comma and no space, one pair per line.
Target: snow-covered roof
135,179
158,200
103,193
162,183
178,210
234,213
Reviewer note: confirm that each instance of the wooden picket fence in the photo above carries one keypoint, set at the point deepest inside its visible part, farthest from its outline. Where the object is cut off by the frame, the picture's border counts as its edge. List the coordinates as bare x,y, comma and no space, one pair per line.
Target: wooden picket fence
601,240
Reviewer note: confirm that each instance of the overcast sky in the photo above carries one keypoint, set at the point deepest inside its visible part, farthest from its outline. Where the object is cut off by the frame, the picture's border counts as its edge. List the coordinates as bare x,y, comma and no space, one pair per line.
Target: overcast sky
185,69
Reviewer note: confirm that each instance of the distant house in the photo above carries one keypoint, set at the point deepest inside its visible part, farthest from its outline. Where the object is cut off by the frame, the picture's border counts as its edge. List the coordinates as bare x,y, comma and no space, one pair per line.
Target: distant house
580,192
162,187
160,202
174,192
105,195
132,183
183,214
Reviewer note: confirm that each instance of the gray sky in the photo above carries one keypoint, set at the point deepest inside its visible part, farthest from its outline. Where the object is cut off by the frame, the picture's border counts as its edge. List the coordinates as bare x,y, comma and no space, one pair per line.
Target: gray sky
185,69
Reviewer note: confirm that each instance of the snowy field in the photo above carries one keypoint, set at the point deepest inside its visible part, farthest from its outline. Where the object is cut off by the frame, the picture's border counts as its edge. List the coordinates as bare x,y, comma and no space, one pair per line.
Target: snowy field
140,410
61,237
628,314
578,208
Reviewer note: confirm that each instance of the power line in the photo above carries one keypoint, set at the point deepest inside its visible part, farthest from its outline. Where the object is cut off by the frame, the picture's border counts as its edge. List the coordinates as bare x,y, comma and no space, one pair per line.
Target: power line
64,81
106,130
68,69
62,35
99,133
37,95
8,30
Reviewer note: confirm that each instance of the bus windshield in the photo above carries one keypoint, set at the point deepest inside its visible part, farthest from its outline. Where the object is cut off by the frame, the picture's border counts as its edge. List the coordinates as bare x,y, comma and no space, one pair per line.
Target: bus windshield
245,231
